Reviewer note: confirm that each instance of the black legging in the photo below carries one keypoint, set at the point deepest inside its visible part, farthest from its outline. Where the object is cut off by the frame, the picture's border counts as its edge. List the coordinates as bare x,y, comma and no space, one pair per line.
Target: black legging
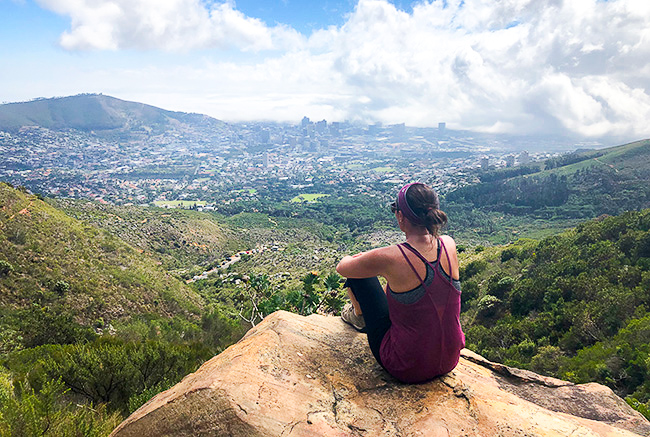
374,306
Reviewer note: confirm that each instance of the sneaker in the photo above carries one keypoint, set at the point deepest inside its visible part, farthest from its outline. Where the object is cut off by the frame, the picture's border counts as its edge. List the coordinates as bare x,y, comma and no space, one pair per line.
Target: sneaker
349,316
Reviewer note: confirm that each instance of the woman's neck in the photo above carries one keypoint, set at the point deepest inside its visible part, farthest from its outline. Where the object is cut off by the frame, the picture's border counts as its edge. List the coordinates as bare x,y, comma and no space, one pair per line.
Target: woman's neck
414,237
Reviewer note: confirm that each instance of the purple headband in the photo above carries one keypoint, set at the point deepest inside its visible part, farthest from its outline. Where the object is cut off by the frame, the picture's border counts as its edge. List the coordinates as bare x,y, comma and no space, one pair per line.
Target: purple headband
404,206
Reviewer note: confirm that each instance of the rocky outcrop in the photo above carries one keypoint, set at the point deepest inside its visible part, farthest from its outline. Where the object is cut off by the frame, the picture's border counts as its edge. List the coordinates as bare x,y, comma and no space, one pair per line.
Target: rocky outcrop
313,376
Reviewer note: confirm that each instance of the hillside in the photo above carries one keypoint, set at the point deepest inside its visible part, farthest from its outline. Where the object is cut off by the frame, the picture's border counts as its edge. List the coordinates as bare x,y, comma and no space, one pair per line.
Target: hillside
555,194
55,269
96,112
179,239
575,305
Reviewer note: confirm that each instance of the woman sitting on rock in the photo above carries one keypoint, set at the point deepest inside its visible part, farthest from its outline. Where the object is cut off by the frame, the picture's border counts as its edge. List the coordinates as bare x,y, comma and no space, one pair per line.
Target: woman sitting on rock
413,325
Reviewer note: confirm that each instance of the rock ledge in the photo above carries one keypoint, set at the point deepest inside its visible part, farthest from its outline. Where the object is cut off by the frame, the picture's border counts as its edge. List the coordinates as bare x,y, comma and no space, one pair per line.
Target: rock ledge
315,376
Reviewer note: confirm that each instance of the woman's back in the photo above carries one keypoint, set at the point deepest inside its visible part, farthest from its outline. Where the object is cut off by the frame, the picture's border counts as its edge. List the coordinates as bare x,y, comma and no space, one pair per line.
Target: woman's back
425,337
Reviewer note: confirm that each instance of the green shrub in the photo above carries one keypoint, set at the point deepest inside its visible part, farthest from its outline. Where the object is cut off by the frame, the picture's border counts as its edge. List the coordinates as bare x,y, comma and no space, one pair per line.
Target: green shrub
470,292
5,268
61,287
509,253
473,268
27,412
112,371
488,306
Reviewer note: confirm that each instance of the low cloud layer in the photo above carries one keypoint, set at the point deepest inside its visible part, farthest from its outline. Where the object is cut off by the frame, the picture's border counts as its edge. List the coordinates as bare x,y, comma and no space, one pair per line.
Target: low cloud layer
520,66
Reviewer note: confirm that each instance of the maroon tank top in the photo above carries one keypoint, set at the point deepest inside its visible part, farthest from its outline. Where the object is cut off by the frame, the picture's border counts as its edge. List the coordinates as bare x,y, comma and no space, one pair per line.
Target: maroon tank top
425,337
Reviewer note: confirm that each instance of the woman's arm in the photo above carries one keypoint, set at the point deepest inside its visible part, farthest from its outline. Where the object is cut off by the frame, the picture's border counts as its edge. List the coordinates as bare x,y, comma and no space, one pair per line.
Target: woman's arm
364,264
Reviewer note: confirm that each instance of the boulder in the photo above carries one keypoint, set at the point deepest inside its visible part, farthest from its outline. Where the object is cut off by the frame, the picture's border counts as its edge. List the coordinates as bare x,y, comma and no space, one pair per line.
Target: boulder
315,376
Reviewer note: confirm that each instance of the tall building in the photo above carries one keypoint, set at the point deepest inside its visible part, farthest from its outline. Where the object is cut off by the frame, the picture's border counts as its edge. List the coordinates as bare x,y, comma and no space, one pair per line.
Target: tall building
305,121
510,160
485,162
374,129
335,128
321,126
442,127
399,130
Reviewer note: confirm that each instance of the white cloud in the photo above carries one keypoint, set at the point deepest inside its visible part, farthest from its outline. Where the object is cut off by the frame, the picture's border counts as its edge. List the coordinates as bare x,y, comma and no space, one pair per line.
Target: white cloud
516,65
174,25
556,66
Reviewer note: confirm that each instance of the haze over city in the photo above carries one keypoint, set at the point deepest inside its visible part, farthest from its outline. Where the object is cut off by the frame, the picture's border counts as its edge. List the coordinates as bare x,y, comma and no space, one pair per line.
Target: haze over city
578,68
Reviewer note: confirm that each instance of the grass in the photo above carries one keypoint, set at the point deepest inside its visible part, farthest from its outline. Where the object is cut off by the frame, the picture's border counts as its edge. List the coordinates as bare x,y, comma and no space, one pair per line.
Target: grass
308,197
249,191
383,169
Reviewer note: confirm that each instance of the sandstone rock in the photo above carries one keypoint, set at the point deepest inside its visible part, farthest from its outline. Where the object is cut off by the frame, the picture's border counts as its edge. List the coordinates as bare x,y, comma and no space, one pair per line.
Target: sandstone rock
313,376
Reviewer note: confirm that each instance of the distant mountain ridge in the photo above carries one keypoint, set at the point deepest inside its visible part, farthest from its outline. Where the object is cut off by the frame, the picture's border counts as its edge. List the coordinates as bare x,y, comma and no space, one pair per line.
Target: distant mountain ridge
96,112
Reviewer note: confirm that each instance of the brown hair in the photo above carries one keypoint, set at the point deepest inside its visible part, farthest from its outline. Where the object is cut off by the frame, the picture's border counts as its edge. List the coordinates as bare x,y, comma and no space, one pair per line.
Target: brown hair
424,202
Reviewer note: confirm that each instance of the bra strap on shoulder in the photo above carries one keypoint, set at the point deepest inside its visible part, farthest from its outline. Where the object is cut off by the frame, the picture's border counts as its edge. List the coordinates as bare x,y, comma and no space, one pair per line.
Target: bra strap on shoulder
399,246
446,253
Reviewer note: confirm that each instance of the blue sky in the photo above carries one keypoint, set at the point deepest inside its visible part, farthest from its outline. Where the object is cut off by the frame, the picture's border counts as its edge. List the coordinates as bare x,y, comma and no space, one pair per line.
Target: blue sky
578,67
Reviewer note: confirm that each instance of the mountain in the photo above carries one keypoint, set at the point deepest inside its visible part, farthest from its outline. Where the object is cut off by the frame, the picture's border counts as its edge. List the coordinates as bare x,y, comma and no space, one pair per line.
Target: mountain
57,272
97,113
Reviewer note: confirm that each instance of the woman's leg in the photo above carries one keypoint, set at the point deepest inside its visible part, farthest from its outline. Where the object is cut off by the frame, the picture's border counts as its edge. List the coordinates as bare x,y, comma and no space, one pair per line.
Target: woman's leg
372,301
355,303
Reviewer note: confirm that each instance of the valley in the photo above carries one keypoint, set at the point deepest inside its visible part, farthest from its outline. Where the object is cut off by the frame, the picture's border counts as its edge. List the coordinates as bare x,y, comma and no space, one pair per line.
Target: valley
124,240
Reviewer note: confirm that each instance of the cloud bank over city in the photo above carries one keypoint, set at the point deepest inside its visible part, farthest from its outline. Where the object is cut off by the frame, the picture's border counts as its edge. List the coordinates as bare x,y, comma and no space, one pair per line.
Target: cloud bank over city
519,66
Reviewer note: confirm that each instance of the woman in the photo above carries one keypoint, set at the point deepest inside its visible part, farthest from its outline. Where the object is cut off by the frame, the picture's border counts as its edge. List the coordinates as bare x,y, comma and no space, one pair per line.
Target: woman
413,326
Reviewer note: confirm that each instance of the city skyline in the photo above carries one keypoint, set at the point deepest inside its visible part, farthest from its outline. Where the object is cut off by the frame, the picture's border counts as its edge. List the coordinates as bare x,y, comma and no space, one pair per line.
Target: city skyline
547,67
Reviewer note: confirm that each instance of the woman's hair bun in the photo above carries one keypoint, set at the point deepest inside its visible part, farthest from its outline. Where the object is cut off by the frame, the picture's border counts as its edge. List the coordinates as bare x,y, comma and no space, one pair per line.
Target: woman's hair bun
424,202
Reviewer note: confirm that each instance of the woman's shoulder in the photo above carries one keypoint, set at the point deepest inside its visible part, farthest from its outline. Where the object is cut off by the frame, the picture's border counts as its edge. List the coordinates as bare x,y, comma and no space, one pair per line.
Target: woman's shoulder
448,242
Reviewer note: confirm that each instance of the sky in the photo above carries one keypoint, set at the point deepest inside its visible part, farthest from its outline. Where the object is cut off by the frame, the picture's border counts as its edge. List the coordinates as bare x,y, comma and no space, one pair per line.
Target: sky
562,67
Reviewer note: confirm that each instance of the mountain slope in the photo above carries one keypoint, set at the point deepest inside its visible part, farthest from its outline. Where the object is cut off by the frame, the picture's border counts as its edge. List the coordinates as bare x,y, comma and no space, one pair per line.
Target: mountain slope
574,305
178,238
52,263
555,194
95,112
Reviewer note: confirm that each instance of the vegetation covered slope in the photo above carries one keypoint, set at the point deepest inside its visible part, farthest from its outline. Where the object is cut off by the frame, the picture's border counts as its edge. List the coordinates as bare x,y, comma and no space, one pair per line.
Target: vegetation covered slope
54,266
180,239
554,194
575,305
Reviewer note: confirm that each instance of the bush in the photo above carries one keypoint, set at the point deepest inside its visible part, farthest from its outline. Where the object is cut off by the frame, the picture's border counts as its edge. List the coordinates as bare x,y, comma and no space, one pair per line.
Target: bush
547,361
509,253
44,325
27,412
61,287
473,268
499,285
5,268
113,371
488,306
469,293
